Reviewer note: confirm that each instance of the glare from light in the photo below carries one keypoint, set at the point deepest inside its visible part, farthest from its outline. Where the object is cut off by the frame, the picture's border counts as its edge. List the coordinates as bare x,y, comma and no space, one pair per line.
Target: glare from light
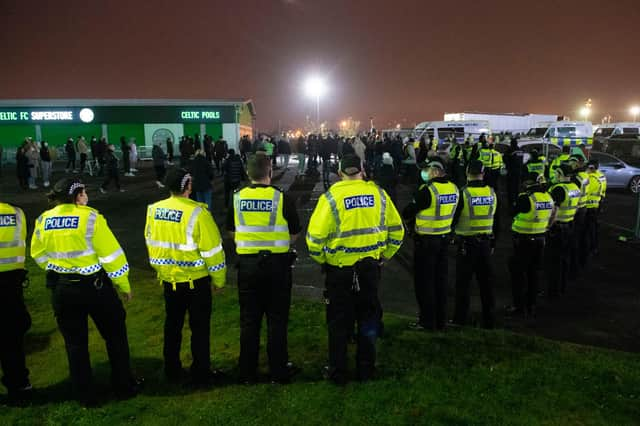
315,87
585,112
343,123
635,111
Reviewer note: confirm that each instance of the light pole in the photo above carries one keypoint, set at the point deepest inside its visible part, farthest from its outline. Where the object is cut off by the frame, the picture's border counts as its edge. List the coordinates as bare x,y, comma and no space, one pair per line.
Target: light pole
635,111
315,87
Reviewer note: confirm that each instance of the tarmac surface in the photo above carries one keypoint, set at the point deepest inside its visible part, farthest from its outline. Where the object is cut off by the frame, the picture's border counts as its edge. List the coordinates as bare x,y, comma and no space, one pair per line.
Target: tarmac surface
600,308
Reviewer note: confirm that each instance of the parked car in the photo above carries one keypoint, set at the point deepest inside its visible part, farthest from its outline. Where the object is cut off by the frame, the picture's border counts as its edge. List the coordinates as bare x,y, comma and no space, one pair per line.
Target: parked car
619,174
529,146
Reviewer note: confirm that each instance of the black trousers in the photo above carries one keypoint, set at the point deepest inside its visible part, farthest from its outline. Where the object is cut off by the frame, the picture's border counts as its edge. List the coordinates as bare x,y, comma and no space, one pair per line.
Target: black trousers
591,231
579,243
474,257
528,252
111,175
161,171
558,257
126,162
74,300
264,289
430,279
352,297
197,302
14,323
491,177
83,162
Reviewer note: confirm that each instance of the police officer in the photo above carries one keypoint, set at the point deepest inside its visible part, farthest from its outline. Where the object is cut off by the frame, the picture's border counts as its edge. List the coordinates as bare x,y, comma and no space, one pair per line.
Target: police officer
533,210
566,196
14,317
579,241
456,162
432,208
185,249
353,229
603,194
264,222
475,228
594,195
536,163
492,162
84,262
562,158
514,162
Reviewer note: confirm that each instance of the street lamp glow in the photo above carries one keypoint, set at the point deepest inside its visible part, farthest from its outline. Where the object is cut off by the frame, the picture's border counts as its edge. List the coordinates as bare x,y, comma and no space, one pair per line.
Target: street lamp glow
585,111
635,111
315,87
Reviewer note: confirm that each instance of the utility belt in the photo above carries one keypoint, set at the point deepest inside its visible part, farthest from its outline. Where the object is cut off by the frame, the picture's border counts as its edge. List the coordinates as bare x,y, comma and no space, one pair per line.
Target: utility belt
432,237
529,237
476,238
191,283
97,280
367,262
264,256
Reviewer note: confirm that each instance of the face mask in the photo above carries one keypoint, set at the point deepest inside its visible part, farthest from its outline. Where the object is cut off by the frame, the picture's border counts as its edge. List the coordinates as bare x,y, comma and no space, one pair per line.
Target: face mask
424,175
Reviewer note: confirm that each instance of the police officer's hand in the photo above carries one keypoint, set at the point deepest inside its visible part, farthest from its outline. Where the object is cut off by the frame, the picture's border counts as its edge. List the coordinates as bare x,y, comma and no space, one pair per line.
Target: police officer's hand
128,296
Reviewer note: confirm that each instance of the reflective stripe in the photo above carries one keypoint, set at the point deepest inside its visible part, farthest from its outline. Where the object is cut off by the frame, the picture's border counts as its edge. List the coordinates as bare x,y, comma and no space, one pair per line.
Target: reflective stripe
18,232
216,268
422,217
383,206
274,228
70,254
91,224
120,272
42,259
192,224
113,256
8,244
236,206
425,229
84,270
174,246
279,243
395,228
17,259
334,208
181,263
274,210
211,252
316,240
437,215
360,231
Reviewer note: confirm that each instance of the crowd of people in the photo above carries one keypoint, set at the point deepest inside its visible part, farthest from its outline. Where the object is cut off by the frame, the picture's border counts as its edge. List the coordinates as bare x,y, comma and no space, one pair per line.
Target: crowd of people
355,228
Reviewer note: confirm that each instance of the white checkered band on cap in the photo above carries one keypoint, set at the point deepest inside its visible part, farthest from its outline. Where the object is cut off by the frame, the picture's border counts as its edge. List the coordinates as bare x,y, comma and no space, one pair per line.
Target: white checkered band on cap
183,183
75,186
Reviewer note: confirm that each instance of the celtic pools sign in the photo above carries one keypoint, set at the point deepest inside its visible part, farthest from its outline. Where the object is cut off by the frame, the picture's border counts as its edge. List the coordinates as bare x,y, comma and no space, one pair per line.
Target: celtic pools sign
119,114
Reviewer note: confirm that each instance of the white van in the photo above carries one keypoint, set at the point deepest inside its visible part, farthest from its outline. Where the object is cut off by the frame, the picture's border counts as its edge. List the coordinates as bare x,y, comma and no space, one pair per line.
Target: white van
441,130
616,129
562,133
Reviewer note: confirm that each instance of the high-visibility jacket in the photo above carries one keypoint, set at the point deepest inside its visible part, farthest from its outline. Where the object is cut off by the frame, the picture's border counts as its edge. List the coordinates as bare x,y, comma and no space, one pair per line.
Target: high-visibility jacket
583,178
183,241
594,191
476,218
433,146
555,164
603,183
536,220
259,221
13,232
353,220
72,239
567,209
437,218
491,159
536,167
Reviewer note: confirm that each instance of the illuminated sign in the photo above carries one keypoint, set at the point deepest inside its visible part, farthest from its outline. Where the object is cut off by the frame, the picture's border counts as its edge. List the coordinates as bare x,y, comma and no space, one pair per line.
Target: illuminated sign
118,114
200,115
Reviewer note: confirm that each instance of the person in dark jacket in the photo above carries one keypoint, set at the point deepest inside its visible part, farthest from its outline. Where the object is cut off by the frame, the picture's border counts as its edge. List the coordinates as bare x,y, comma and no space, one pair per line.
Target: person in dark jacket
45,163
202,174
219,152
387,177
158,164
112,172
22,166
170,150
284,149
70,149
234,173
126,156
101,151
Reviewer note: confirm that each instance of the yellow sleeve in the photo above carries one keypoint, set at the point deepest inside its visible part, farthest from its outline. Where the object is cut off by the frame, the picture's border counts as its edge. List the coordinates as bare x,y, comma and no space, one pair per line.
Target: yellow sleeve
111,255
207,237
321,224
37,245
395,229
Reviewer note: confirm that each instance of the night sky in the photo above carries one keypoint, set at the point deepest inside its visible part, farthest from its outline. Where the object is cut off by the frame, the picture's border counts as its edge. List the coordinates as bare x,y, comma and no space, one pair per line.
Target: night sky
398,61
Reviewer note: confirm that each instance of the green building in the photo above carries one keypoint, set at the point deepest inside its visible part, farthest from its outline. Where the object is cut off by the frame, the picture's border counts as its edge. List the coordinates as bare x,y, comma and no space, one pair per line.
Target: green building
146,120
